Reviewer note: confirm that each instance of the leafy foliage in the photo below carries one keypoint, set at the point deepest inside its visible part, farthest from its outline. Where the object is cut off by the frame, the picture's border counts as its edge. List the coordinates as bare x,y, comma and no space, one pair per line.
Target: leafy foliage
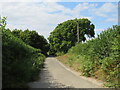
21,63
33,39
64,35
99,57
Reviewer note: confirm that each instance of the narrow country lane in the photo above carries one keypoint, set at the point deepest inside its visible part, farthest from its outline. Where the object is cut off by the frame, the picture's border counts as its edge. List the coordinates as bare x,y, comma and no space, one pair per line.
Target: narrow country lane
56,75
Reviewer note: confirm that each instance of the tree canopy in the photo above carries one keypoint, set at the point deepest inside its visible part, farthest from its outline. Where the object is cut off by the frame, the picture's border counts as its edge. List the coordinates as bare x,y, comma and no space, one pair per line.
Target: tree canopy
33,39
64,36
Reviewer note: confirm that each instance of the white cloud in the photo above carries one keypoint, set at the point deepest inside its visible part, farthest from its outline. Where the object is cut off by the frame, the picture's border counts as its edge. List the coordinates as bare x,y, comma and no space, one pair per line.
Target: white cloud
30,0
76,12
59,0
99,29
105,9
111,20
36,16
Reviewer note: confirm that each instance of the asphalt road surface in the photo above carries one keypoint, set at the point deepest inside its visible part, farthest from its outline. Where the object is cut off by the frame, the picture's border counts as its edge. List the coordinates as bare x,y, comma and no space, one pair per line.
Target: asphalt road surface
56,75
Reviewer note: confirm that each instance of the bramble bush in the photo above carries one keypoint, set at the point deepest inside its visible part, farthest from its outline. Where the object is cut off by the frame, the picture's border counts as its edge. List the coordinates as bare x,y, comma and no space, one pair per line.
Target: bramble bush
100,57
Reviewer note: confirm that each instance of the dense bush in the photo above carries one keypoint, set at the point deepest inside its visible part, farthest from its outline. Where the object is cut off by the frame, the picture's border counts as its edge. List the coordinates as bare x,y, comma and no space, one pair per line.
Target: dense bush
100,57
21,63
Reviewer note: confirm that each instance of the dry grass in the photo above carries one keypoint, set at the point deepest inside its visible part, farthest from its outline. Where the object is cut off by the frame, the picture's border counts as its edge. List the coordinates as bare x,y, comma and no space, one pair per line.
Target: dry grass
75,66
65,60
99,75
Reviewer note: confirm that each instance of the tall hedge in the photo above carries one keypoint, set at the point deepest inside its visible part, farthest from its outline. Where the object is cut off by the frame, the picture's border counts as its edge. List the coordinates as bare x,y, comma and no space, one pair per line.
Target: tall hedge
100,57
21,63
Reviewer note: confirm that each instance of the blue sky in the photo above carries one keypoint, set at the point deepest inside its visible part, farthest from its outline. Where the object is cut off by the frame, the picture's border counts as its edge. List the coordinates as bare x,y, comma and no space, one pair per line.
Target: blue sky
44,16
99,21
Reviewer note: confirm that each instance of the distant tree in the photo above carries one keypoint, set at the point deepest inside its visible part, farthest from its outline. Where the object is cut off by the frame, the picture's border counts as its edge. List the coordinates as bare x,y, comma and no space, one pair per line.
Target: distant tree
2,22
64,36
17,32
33,39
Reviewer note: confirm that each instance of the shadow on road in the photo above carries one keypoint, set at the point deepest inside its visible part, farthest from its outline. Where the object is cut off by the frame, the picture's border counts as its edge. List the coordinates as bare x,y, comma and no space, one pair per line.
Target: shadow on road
46,80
